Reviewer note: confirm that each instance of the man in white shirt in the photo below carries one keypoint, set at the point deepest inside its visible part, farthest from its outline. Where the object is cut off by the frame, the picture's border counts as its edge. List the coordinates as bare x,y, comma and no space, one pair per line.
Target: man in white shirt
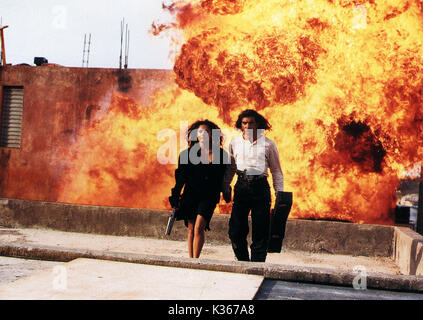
252,155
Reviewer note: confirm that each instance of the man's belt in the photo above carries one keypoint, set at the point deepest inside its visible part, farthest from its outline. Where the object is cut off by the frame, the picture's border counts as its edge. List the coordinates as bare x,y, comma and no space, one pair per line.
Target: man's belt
248,177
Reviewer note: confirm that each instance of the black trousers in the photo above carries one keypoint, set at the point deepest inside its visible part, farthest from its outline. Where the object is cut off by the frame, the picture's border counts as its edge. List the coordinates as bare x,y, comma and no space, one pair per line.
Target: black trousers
251,196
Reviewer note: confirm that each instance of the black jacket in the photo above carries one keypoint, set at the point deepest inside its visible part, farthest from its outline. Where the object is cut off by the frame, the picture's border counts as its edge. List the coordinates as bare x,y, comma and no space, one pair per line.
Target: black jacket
201,181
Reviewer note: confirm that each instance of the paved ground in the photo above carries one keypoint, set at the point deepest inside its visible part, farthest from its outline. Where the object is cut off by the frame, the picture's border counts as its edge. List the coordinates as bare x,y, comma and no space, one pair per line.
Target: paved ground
177,249
317,268
91,279
282,290
12,269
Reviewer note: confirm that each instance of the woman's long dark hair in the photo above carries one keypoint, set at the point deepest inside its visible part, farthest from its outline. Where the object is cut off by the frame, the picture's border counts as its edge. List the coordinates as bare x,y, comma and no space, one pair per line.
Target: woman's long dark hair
217,139
262,122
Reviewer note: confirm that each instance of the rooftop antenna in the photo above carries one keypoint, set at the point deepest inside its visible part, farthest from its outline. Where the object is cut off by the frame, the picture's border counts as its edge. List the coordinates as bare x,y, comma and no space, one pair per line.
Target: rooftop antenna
86,51
122,23
124,35
126,47
3,50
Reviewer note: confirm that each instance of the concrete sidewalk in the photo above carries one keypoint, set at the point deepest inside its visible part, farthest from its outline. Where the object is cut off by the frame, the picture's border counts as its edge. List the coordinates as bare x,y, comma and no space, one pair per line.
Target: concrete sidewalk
93,279
319,252
299,266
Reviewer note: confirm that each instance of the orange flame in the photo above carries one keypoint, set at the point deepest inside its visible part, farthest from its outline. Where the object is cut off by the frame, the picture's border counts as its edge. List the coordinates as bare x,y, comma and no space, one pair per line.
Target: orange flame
340,81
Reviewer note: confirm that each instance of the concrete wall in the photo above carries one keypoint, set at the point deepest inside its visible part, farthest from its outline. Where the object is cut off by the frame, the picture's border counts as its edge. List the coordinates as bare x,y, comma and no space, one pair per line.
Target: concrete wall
58,101
408,251
339,238
302,235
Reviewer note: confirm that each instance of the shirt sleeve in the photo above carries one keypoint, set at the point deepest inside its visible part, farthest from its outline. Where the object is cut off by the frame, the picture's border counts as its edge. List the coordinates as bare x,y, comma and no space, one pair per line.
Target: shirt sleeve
230,168
275,168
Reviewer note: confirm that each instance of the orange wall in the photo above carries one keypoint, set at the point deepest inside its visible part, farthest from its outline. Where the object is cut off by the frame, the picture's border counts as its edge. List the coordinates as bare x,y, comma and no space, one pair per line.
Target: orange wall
57,103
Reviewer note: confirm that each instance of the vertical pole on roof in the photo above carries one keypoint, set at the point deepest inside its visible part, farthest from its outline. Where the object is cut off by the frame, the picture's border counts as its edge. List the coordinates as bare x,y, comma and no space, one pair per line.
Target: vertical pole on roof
3,50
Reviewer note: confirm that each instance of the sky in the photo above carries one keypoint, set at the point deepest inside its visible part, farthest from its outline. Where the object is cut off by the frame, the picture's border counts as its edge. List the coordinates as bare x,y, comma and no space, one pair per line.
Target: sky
55,29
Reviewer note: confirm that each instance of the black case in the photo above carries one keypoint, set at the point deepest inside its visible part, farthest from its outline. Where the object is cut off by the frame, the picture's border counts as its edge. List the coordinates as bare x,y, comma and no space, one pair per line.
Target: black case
278,218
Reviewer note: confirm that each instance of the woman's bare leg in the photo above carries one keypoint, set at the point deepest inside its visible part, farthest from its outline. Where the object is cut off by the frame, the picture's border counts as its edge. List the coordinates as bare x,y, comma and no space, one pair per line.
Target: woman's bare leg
190,238
199,235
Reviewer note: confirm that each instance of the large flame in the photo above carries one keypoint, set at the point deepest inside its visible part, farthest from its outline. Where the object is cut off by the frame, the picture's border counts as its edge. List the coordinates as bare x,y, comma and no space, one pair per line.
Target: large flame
340,81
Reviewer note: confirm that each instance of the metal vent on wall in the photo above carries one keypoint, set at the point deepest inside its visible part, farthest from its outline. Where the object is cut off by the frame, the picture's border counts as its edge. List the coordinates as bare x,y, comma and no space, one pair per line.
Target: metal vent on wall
11,117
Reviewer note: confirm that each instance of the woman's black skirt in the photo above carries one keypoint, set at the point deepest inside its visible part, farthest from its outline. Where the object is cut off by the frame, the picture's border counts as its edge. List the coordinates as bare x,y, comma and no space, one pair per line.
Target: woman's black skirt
192,206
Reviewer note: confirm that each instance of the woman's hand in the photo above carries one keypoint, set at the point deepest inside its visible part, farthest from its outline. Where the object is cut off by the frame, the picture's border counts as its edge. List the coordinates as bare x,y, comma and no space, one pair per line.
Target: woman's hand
174,201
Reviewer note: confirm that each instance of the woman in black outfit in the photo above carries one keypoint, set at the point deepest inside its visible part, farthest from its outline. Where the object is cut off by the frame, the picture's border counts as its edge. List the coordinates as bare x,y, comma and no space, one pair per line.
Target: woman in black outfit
200,169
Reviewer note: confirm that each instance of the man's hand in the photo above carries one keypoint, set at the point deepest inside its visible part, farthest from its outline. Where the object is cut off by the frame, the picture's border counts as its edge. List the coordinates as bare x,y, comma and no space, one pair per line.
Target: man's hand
227,194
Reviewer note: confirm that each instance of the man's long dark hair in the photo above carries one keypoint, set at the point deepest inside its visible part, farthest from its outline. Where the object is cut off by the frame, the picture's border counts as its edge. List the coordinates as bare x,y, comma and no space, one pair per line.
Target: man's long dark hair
192,132
262,122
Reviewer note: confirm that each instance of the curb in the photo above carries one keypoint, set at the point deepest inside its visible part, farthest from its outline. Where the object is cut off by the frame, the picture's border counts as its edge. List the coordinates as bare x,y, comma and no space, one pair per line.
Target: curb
269,271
